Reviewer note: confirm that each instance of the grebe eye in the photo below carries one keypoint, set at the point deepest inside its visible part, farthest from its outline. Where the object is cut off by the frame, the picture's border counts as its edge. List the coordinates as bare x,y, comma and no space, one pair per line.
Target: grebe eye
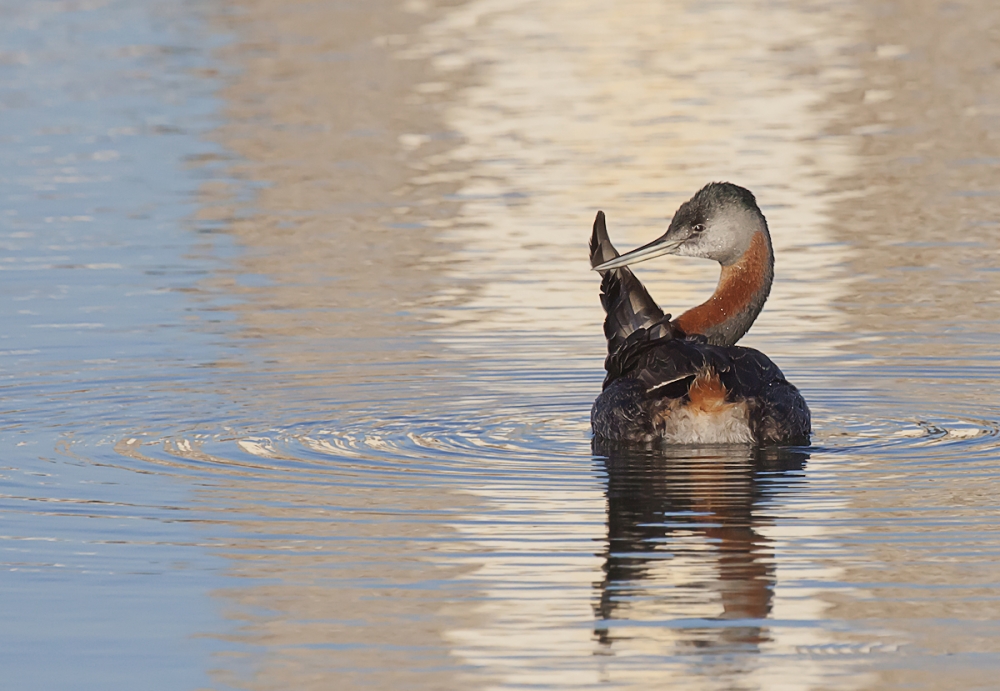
697,228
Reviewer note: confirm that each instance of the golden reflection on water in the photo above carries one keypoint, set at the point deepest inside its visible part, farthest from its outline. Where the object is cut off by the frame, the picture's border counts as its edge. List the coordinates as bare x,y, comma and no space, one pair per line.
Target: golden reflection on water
924,299
318,116
430,172
632,107
924,240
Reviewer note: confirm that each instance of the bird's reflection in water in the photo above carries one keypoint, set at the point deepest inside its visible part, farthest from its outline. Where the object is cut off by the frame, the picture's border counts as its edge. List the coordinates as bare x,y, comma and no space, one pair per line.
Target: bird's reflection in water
684,551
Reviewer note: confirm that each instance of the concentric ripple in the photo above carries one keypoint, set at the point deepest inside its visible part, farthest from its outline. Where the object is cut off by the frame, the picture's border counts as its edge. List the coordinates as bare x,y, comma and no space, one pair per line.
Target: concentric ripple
453,449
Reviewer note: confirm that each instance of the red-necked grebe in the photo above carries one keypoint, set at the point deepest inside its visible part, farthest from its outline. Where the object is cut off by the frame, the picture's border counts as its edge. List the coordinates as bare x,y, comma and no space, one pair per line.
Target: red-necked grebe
684,381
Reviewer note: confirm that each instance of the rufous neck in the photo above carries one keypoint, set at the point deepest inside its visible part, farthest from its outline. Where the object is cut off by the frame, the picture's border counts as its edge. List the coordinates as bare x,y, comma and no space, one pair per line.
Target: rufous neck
739,297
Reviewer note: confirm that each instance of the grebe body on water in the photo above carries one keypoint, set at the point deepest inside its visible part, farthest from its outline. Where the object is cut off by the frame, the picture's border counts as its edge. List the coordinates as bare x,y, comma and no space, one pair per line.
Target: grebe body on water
684,381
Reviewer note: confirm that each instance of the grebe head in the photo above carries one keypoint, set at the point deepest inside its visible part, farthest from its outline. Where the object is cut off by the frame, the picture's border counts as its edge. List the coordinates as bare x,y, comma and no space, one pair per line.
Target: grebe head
721,222
718,223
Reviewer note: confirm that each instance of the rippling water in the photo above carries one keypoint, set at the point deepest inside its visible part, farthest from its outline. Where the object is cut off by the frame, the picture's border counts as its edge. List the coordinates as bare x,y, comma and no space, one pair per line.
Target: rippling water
299,342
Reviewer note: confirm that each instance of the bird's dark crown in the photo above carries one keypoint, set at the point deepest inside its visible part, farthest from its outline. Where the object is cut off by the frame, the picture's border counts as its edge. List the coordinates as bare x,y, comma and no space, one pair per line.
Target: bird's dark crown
712,198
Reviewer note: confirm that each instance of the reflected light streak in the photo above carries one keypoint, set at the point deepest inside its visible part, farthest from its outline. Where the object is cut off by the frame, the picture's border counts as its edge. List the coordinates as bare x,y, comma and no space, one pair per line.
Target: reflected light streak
630,107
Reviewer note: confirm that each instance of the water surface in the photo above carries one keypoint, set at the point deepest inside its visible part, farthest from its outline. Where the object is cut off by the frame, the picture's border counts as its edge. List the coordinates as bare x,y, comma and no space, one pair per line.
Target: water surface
299,343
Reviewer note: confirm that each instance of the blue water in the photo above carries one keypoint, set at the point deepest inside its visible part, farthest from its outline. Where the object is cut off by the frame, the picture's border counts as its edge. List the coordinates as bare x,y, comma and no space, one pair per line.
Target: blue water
100,119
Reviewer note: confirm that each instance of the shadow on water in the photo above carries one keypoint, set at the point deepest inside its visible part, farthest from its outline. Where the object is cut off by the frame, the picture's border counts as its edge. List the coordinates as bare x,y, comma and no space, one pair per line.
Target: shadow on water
698,503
